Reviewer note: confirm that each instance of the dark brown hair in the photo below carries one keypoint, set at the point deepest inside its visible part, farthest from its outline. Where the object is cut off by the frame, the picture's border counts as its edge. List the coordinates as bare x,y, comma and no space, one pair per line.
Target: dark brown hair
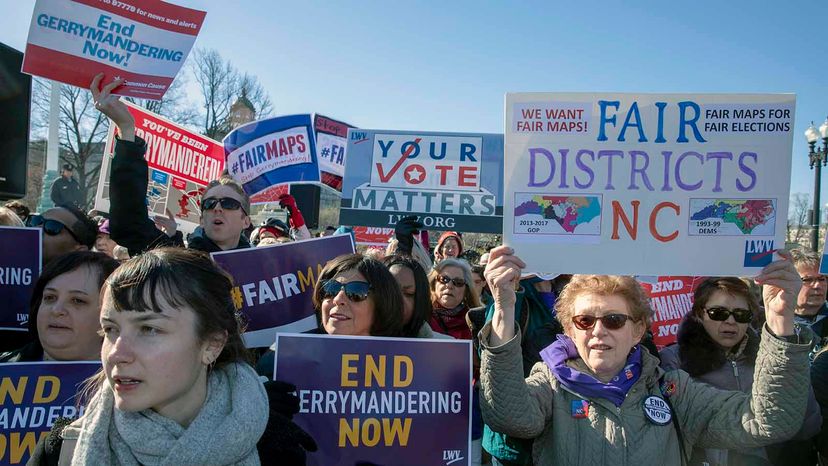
385,292
730,285
184,277
422,293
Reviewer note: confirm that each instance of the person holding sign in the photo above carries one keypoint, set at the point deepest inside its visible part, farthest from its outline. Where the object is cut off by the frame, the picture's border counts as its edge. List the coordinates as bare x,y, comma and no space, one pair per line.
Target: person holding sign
599,398
63,319
175,387
225,207
717,346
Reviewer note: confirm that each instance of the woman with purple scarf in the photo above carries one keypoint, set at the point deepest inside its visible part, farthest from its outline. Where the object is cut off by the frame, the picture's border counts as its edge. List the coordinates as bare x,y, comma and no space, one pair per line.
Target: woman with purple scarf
598,398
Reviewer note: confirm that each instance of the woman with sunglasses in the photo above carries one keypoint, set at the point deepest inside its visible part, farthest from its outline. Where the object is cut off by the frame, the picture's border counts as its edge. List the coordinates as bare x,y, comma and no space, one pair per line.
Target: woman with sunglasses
599,398
452,295
716,345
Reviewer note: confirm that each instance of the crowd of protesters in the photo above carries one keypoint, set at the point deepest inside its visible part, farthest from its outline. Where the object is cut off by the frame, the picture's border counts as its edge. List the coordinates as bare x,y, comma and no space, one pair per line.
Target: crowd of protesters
564,367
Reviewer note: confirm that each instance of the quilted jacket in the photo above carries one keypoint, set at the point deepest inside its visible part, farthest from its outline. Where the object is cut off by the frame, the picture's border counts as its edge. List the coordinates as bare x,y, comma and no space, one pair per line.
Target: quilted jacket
539,407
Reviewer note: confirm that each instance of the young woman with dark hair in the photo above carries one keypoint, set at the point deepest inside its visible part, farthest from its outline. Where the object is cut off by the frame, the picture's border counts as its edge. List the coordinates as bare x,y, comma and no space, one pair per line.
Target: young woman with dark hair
416,295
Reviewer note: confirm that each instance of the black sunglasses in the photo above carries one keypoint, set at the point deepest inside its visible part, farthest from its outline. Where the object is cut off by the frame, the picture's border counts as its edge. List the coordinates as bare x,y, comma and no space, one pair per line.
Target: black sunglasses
721,313
610,321
458,282
49,226
355,291
227,203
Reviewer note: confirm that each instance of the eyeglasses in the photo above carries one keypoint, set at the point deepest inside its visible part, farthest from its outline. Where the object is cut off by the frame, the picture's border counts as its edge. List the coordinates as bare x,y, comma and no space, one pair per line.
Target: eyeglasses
809,281
458,282
50,227
355,291
721,313
610,321
227,203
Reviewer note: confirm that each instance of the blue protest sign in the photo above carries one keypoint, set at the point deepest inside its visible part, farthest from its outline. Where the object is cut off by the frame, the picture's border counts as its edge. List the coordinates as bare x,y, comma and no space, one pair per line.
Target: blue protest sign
377,400
452,181
33,395
20,257
274,284
270,152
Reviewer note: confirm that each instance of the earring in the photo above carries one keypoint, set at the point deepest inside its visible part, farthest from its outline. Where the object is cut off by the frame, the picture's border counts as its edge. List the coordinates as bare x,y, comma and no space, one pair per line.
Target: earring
210,366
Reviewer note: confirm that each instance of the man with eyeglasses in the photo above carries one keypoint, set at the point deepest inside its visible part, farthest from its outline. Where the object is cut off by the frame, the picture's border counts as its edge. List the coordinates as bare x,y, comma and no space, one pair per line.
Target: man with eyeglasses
65,229
811,309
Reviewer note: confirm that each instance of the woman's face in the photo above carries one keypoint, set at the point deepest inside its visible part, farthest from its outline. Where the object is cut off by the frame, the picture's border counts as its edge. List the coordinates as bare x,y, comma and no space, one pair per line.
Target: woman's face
405,278
605,351
67,319
155,360
104,244
449,295
341,316
451,248
728,333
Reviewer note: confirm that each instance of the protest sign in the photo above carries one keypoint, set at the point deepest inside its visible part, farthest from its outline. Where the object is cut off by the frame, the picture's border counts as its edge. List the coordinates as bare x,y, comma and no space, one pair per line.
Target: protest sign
274,284
181,163
373,236
33,395
264,154
452,181
331,142
20,258
145,43
671,297
823,263
651,184
378,400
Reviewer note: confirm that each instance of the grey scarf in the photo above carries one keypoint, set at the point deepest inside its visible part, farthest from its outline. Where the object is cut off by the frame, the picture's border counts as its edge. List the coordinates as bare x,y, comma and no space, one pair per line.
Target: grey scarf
224,432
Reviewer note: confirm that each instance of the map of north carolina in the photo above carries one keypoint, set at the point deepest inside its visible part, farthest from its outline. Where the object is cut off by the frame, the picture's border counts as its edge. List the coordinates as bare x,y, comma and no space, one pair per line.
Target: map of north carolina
568,211
745,214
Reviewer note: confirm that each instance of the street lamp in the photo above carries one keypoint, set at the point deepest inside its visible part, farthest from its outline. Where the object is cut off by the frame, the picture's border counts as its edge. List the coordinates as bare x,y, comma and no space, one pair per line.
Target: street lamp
818,156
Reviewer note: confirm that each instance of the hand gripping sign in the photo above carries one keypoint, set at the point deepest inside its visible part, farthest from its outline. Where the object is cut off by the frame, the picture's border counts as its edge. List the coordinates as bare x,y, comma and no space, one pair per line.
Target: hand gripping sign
145,43
453,181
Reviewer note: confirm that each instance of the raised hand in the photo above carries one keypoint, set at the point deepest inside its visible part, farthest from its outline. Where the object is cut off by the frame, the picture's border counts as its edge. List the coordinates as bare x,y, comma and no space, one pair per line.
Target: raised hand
166,224
111,106
503,275
780,288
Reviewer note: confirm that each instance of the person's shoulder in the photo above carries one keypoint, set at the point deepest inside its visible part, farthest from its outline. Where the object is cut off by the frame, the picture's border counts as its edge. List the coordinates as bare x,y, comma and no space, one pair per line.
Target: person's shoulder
670,357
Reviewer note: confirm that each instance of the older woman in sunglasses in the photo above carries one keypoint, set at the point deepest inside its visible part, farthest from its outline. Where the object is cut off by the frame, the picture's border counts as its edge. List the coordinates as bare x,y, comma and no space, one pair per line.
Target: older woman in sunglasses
717,346
452,295
598,398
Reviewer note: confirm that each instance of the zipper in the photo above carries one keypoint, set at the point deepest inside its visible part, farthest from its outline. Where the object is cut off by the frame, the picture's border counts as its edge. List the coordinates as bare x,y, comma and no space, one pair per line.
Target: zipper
736,374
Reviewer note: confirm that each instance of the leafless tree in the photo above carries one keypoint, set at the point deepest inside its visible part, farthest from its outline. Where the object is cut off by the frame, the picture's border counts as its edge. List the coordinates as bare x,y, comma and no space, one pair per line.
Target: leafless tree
221,84
798,226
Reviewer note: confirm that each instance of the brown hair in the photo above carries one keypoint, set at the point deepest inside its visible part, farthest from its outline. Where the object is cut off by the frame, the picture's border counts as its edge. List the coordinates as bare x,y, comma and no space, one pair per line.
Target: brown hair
233,184
470,295
604,285
730,285
385,292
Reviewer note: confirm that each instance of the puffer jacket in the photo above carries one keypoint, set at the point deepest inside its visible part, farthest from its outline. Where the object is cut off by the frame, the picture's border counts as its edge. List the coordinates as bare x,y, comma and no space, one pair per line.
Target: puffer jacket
698,355
539,407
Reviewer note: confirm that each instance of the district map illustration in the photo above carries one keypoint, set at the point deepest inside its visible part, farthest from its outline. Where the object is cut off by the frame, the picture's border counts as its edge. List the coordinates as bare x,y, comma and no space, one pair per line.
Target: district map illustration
729,217
557,214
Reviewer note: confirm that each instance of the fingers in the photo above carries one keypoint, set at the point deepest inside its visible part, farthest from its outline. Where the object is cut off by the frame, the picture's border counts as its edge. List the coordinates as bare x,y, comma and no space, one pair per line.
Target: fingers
95,87
170,215
111,87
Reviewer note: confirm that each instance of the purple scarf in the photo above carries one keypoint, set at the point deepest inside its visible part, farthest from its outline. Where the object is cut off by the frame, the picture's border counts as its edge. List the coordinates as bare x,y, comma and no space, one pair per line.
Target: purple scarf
556,355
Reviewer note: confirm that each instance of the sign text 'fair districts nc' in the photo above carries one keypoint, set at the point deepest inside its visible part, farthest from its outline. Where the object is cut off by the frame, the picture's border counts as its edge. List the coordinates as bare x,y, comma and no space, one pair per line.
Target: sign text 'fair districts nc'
649,184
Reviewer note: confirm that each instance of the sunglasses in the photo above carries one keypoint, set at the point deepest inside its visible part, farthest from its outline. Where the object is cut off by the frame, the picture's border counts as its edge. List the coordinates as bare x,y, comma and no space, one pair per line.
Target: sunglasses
49,226
610,321
355,291
721,313
227,203
458,282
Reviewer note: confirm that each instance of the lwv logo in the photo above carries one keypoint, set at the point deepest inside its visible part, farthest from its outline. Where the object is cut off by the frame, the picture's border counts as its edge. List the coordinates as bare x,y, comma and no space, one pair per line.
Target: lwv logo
452,456
758,252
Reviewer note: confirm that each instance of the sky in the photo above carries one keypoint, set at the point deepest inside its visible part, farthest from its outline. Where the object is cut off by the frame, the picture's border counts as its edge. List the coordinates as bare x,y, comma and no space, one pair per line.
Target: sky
445,66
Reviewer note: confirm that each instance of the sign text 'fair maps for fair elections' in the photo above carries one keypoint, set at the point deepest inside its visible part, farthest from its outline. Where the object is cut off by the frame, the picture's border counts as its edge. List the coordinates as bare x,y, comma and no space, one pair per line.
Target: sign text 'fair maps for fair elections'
264,155
647,184
379,400
671,298
451,181
145,43
20,258
181,163
33,395
273,285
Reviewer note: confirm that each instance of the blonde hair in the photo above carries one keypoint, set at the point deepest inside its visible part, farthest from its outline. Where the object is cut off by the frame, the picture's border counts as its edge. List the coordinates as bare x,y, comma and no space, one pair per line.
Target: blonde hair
604,285
9,218
805,258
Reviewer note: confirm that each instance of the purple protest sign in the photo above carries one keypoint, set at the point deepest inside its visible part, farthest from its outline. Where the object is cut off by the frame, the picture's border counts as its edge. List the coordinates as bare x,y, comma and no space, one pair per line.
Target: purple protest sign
20,254
34,395
400,401
274,284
